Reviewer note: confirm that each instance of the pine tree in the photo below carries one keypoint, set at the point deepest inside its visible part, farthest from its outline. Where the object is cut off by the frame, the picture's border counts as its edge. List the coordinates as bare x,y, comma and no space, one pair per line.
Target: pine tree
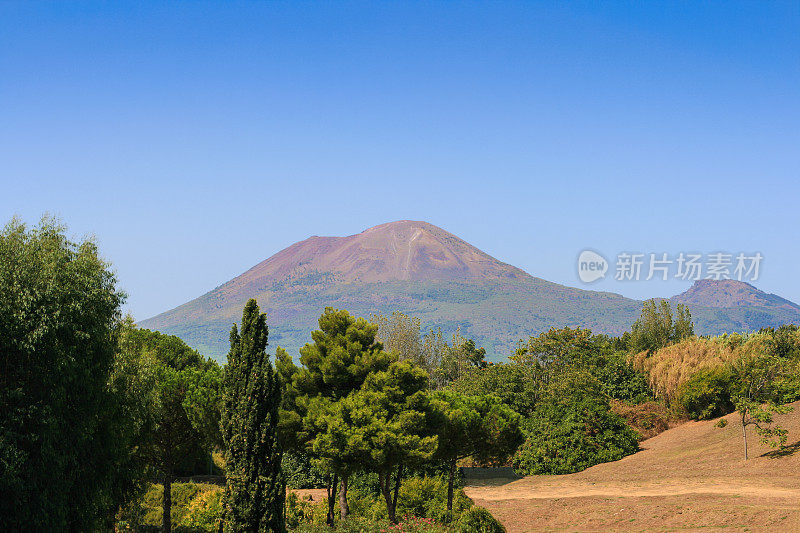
255,493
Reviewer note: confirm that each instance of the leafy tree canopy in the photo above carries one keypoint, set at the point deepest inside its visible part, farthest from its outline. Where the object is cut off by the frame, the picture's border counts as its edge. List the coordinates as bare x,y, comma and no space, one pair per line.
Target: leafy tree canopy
59,318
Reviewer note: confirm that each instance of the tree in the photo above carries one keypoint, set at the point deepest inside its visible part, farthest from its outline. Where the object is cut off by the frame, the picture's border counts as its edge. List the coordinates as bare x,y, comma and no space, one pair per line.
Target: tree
344,353
388,421
658,327
181,391
756,396
517,386
338,445
467,426
401,334
255,492
559,348
573,428
64,434
461,357
434,350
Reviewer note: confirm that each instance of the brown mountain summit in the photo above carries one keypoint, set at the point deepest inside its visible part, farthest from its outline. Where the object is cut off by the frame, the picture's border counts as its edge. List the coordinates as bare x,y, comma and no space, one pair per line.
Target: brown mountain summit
405,250
730,293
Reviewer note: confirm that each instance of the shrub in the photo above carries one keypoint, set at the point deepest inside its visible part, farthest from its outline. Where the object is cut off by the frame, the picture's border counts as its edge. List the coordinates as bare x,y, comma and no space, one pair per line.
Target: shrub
426,497
365,525
621,381
299,511
707,394
573,428
422,502
300,472
647,419
204,512
721,423
669,368
196,508
478,520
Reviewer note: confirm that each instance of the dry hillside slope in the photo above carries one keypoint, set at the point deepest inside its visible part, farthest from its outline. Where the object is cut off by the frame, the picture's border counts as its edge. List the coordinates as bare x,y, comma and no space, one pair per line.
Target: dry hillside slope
693,477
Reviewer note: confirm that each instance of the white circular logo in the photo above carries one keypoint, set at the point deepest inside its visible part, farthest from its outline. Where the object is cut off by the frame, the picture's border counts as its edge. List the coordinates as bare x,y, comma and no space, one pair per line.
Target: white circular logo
591,266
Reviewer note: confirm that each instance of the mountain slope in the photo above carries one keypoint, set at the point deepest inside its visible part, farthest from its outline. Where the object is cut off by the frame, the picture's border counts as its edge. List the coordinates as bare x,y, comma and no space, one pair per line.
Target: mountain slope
731,293
421,270
728,305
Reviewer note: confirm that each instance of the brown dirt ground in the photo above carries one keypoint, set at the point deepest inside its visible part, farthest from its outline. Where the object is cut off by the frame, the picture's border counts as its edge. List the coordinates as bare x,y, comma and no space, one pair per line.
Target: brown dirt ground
690,478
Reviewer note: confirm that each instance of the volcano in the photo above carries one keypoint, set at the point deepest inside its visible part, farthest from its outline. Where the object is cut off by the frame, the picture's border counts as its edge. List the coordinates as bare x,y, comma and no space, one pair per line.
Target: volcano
427,272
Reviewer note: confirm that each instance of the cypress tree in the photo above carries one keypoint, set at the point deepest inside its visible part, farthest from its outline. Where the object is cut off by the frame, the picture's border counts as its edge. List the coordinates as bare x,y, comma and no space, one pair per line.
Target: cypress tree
255,493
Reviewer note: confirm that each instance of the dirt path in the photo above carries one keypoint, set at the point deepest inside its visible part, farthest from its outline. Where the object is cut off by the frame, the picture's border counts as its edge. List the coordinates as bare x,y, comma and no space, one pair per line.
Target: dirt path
617,489
690,478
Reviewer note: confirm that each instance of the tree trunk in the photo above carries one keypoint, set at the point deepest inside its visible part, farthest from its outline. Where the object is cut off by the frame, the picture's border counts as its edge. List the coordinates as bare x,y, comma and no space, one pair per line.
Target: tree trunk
331,500
450,478
344,508
166,519
384,480
397,485
744,435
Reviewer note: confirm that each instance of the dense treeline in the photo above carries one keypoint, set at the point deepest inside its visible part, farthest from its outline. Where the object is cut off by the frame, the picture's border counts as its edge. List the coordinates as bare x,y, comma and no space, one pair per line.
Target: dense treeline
101,420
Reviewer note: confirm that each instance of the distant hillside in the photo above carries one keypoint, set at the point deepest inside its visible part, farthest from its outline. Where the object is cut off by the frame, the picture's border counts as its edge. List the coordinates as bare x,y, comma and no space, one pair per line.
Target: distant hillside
421,270
731,293
729,305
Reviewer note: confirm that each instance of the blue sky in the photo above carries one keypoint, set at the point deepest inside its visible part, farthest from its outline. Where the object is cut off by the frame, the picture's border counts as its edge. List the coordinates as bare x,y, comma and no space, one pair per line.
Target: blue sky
196,139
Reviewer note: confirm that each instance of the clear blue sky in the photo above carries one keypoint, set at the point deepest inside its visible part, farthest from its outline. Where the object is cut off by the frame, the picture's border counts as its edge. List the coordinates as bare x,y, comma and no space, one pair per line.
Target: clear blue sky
196,139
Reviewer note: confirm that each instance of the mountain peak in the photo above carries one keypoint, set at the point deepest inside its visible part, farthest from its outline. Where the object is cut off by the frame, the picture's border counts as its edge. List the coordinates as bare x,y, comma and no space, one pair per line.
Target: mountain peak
426,272
730,293
406,250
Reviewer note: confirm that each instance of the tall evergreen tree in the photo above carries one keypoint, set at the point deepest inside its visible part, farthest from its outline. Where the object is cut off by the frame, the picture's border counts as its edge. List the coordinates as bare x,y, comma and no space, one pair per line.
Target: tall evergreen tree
254,497
344,353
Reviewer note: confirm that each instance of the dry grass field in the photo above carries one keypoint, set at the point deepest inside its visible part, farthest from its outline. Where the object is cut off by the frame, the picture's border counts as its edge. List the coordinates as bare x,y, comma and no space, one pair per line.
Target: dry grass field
689,478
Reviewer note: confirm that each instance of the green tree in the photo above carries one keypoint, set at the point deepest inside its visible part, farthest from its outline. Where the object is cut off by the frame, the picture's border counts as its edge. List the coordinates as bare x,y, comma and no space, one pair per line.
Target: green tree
460,358
573,428
256,491
64,434
756,396
389,420
182,391
344,352
658,326
472,426
518,386
558,348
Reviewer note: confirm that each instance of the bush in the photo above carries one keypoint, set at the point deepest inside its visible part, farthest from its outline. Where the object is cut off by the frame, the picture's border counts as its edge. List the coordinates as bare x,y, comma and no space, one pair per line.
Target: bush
422,502
196,508
426,497
621,381
300,473
300,511
707,394
365,525
669,368
721,423
647,419
573,428
478,520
